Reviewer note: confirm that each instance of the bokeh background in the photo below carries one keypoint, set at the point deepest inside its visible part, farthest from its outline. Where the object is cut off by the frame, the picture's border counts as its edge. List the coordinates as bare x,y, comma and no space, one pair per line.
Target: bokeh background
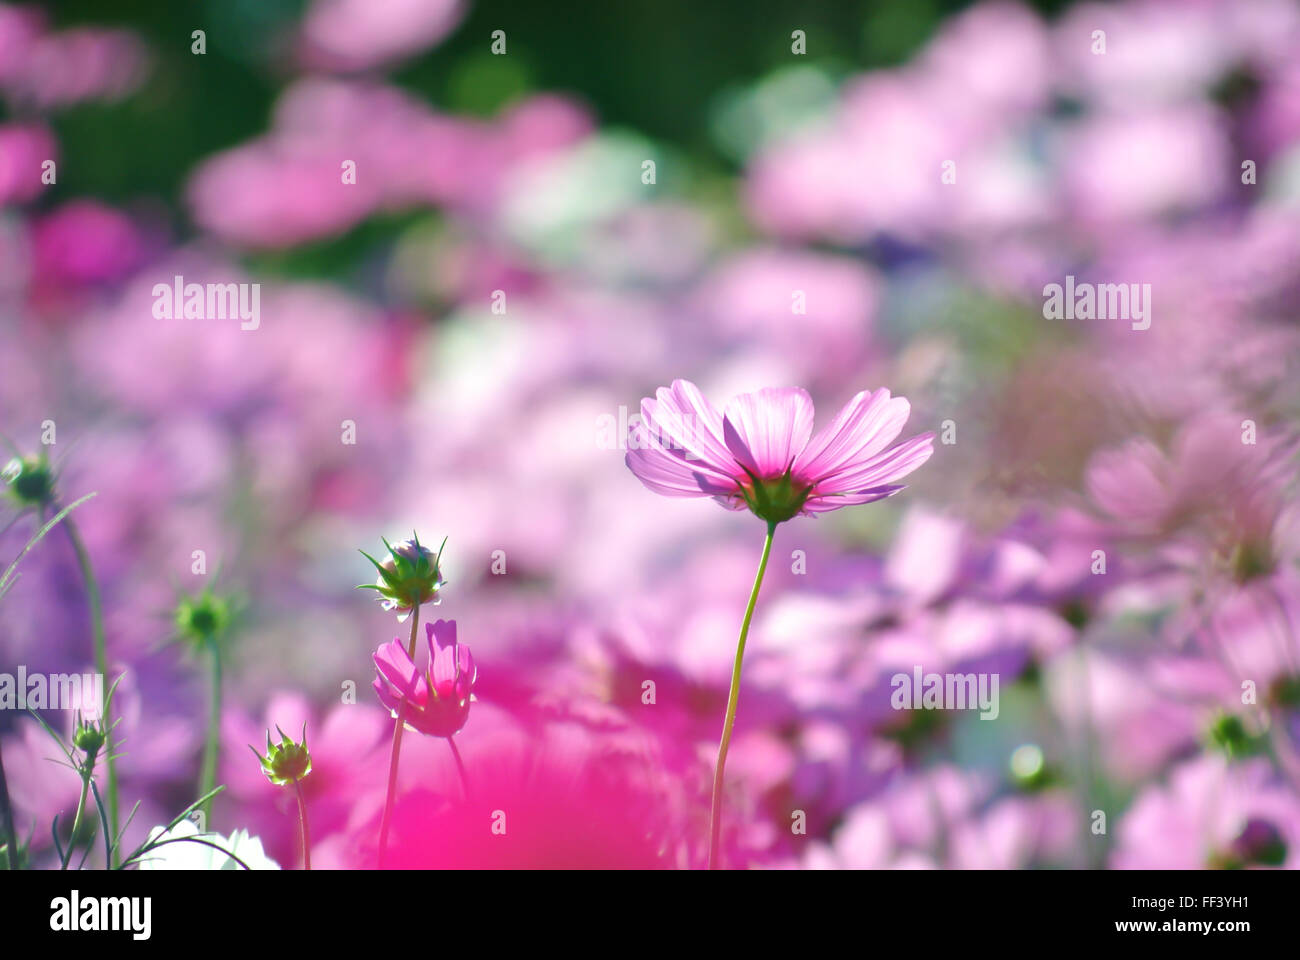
1160,690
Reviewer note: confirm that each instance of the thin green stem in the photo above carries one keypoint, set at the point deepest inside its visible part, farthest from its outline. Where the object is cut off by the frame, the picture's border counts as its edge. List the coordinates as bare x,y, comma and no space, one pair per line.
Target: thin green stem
76,821
110,843
387,820
306,833
460,767
208,778
101,658
715,809
7,820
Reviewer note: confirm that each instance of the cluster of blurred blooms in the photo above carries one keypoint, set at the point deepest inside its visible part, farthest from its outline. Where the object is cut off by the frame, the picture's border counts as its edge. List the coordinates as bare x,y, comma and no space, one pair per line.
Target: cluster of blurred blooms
1163,692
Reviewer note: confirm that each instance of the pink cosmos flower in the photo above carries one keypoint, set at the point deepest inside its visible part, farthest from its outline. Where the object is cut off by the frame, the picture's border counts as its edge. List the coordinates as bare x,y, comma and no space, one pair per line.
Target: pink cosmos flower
761,453
437,701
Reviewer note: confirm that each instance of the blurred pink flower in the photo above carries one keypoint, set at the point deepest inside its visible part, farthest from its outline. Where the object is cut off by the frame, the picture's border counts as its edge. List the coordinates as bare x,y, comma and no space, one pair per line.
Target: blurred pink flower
559,798
872,169
72,66
1218,487
84,242
1211,813
19,29
762,454
994,56
288,187
750,299
1135,165
359,34
22,151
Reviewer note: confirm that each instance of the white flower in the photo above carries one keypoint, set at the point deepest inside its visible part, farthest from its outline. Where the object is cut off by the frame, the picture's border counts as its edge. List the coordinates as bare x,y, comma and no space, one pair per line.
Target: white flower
200,856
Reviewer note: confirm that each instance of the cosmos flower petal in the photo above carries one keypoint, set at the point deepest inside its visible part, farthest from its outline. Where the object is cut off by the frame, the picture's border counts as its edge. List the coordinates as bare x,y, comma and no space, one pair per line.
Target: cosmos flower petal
672,476
443,632
688,427
824,504
766,430
442,672
387,697
466,672
882,469
867,424
396,667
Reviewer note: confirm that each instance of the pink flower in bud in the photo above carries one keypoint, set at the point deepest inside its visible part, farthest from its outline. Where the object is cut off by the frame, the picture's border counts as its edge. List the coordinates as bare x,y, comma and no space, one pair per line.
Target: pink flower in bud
436,701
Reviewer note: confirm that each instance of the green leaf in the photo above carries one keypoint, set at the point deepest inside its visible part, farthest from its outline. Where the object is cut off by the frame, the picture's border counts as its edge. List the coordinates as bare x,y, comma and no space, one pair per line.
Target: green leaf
6,580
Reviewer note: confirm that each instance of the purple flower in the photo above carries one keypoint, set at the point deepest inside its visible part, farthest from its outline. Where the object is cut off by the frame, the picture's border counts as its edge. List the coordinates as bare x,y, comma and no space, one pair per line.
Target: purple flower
436,701
761,453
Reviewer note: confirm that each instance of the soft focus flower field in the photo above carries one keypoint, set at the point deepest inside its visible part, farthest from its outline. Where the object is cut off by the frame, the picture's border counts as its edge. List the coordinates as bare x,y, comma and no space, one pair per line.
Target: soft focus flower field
456,343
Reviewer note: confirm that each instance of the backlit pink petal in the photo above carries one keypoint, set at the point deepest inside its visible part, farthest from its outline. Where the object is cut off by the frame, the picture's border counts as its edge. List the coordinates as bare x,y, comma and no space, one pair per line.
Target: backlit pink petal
466,672
882,469
688,426
387,697
867,424
442,671
396,667
443,632
669,475
766,430
823,504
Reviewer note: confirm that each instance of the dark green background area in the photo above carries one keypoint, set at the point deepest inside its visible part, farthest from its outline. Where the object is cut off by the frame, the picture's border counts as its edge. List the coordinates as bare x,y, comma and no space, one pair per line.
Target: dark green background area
655,66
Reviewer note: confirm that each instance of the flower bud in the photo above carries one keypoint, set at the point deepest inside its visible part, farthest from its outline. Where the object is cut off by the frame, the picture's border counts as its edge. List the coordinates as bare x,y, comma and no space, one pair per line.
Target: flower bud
1228,732
89,737
30,480
202,618
286,761
409,576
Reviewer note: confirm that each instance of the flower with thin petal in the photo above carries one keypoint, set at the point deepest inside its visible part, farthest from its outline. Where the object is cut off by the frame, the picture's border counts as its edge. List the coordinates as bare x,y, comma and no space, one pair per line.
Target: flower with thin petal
761,452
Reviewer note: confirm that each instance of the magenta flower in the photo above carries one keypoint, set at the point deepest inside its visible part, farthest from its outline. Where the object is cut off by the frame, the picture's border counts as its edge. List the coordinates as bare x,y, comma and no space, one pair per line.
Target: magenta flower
761,453
437,700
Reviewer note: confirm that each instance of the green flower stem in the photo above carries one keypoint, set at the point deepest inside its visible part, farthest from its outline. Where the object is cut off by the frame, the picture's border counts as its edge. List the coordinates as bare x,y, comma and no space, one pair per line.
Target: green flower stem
9,836
460,767
101,662
208,777
76,820
386,822
306,833
715,809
